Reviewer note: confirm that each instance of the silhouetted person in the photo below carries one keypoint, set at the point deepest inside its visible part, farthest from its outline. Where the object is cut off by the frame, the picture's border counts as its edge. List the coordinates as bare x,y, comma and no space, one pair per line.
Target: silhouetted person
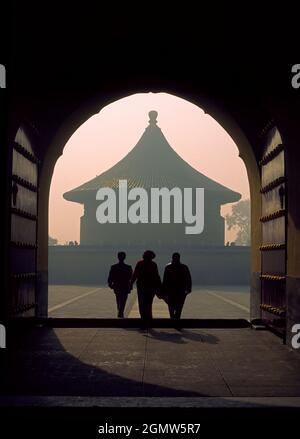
119,279
177,283
148,283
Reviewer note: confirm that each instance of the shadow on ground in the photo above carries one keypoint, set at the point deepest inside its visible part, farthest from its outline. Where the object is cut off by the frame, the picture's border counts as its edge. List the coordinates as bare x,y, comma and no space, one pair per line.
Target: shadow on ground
182,336
36,363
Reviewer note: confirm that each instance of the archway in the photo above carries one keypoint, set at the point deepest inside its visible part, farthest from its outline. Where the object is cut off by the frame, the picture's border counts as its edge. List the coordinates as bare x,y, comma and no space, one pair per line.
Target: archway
76,273
92,107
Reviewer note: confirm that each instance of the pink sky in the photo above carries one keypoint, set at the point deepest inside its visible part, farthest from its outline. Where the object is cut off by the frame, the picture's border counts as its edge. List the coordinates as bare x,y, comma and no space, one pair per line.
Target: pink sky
109,135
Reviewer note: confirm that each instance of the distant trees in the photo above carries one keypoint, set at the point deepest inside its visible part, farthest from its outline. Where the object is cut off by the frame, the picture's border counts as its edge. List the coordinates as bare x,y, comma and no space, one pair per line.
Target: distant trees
239,220
52,241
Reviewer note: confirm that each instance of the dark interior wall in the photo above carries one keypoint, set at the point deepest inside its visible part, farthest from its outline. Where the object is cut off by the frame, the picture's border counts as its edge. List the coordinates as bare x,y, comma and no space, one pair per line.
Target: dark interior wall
71,76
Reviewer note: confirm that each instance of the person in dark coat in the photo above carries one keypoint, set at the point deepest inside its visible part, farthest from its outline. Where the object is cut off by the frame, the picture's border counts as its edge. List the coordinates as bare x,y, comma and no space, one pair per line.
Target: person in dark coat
148,284
119,279
177,283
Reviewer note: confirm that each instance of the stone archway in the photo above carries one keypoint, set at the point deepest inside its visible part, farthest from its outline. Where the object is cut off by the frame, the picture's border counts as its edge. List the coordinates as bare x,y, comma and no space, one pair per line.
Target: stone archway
91,107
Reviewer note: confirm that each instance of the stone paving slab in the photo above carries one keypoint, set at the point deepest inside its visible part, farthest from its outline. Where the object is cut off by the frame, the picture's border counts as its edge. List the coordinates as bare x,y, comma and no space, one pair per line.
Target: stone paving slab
94,301
161,362
173,402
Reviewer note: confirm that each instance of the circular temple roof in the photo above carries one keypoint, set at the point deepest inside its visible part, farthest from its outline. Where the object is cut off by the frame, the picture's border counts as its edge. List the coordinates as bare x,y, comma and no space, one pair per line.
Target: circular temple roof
152,163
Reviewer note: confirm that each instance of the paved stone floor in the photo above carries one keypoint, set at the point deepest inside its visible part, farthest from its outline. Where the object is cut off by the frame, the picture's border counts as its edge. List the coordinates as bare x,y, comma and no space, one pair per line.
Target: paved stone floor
94,301
156,363
130,363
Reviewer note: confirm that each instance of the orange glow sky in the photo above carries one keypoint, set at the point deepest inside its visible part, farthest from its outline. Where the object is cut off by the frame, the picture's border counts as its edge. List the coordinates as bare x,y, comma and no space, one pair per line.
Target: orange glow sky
109,135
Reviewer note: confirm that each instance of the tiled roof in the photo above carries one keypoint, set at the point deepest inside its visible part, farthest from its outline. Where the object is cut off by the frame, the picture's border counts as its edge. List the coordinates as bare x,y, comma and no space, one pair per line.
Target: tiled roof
152,163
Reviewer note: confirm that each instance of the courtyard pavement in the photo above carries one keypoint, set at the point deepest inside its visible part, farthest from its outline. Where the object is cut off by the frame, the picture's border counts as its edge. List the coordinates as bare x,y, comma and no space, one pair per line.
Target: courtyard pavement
99,302
129,364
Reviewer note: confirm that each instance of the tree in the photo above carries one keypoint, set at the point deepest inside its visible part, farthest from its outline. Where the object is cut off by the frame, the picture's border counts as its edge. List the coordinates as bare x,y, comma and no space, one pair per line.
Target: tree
239,220
52,241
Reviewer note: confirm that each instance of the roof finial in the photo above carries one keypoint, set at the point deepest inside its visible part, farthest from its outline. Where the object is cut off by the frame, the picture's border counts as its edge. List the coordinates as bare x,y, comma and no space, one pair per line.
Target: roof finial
152,117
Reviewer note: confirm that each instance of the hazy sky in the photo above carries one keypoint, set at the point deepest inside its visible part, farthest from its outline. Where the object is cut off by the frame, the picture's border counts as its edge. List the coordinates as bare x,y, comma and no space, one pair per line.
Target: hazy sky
108,136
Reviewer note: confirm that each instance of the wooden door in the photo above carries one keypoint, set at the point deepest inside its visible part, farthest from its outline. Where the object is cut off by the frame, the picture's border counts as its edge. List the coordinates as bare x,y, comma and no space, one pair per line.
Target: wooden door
23,233
273,220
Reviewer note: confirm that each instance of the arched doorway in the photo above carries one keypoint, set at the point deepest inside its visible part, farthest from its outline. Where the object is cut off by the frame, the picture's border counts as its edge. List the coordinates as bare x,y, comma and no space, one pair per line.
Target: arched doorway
220,113
225,120
77,272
